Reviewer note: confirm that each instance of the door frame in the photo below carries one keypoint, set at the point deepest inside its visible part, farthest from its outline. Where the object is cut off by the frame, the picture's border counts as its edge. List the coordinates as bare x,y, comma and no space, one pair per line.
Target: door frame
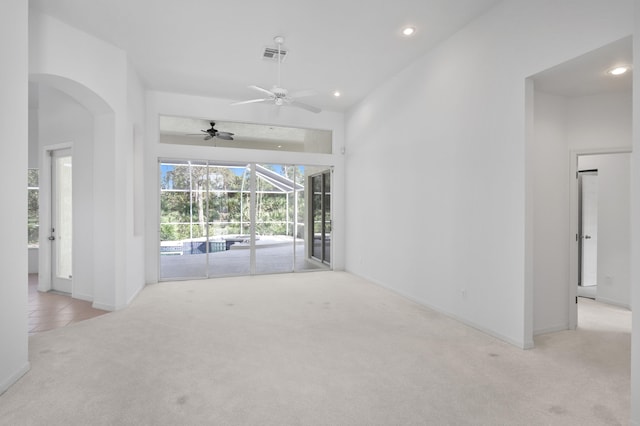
310,218
253,176
573,223
581,223
45,205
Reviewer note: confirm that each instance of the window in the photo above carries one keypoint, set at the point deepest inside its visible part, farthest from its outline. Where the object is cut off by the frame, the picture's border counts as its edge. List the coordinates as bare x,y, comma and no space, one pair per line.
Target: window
33,189
192,131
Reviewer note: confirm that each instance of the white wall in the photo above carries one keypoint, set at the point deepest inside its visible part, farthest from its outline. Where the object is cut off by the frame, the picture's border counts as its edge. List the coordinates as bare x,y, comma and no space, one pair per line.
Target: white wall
160,103
436,161
135,208
599,121
551,214
14,123
635,231
98,76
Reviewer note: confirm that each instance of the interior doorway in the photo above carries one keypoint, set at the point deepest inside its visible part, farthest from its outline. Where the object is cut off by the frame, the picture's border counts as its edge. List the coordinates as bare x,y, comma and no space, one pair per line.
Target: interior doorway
600,216
587,233
61,232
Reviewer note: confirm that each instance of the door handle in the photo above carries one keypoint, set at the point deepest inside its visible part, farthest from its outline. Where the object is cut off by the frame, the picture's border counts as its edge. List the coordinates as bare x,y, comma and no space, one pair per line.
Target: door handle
587,237
51,238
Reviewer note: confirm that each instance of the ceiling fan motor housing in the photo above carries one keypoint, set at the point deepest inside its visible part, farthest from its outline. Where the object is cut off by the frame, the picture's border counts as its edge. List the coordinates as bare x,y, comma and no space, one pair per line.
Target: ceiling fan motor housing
280,92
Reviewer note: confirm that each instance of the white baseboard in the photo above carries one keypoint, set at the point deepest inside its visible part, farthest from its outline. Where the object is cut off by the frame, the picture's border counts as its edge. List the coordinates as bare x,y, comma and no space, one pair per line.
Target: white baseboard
14,378
103,306
613,302
85,297
135,294
112,308
553,329
518,344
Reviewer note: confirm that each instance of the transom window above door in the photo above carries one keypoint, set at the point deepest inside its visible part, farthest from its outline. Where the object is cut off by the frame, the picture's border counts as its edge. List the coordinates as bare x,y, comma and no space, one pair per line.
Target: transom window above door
229,134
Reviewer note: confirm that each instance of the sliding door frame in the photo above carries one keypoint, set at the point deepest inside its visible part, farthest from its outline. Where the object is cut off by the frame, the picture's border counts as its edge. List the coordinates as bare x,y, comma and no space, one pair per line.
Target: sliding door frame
327,173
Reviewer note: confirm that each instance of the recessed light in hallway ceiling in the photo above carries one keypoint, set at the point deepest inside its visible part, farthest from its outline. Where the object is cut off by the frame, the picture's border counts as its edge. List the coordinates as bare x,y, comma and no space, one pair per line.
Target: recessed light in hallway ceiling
619,70
408,31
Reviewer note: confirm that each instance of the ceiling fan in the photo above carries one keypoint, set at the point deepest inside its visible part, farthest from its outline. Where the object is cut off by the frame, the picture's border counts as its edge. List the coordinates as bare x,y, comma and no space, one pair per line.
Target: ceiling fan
213,133
279,95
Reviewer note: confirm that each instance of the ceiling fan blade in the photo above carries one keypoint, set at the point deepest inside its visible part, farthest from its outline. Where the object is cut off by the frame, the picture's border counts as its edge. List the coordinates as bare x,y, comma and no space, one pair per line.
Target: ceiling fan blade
265,91
224,134
304,106
225,137
303,93
252,101
206,138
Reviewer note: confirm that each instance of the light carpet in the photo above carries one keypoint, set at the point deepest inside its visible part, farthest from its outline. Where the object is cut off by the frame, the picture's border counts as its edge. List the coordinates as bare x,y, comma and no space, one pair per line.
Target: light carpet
322,348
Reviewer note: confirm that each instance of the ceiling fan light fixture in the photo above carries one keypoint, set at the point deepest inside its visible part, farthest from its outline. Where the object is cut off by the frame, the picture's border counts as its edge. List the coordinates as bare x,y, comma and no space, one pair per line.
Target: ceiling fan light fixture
279,95
337,94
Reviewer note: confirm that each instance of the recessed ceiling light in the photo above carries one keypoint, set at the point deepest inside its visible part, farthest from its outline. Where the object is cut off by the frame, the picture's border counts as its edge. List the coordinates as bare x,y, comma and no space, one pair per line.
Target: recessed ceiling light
337,94
618,70
408,31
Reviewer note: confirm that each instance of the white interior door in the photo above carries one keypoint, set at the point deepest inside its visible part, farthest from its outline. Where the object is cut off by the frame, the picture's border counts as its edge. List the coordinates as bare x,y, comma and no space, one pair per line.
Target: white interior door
589,230
61,236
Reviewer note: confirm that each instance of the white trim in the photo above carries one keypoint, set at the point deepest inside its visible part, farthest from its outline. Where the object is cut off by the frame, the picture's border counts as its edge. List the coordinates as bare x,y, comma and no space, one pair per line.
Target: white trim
553,329
103,307
81,296
612,302
135,294
573,222
528,344
14,378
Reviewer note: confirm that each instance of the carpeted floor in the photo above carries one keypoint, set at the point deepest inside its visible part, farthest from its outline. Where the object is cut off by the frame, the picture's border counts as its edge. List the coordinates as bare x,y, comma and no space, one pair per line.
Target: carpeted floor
323,348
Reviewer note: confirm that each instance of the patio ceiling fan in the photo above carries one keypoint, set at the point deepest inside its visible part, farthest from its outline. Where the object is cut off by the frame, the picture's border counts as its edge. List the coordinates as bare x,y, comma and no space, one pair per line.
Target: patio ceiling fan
213,133
279,95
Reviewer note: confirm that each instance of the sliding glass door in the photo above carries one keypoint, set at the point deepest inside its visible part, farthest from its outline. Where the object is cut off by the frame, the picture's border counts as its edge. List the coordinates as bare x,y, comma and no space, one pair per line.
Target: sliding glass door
321,211
229,222
183,224
277,189
221,219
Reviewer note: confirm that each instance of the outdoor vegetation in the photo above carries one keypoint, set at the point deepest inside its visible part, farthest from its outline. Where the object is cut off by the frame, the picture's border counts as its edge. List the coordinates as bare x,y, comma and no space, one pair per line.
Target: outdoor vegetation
32,208
200,200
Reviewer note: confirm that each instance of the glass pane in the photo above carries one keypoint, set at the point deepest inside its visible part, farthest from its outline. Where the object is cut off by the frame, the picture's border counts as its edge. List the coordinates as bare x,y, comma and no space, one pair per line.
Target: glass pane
275,207
63,214
33,208
327,217
194,131
183,220
205,213
33,178
228,219
316,211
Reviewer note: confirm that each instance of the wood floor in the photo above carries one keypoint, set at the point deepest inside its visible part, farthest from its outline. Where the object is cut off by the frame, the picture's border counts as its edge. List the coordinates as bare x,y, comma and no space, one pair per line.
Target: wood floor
48,311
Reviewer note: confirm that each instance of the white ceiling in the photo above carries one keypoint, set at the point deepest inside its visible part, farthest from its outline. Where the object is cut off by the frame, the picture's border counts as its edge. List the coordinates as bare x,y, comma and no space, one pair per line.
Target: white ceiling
588,74
214,48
